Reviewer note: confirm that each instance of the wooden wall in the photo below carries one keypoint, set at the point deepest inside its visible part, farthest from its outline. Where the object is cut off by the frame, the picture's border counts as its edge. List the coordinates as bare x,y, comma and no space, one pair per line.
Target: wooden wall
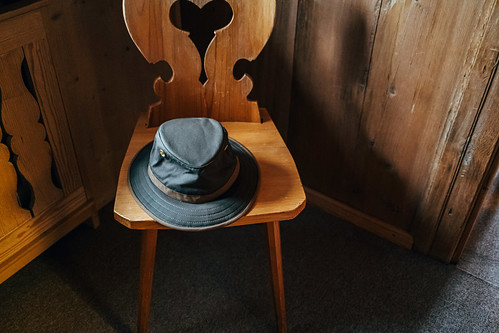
386,95
102,79
386,104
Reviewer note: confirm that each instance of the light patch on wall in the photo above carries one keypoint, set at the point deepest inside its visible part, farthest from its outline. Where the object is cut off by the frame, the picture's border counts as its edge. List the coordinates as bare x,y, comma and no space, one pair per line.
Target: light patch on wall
391,4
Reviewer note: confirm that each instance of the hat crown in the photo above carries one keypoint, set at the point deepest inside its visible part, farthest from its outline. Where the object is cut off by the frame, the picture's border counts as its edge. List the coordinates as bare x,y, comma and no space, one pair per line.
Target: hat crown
194,142
191,159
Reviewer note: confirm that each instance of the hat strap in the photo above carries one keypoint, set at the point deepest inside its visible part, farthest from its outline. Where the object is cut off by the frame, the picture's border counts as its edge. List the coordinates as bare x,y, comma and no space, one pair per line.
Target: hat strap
194,198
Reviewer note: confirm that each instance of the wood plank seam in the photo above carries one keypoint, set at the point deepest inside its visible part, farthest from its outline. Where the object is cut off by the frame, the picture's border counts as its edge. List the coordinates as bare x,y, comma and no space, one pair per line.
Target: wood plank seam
487,186
370,62
464,152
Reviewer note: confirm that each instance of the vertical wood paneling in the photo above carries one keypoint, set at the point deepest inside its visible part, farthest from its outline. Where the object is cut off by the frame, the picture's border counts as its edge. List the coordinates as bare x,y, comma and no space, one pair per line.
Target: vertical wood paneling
486,207
272,71
370,122
471,92
105,83
422,59
481,146
333,47
52,110
20,118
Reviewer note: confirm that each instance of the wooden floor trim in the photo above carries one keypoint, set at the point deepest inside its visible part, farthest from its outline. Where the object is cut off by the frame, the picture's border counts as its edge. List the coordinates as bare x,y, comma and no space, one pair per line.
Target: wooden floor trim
361,220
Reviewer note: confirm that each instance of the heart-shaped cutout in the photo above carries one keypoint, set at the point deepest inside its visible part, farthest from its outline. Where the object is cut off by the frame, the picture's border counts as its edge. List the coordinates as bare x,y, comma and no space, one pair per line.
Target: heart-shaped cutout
201,23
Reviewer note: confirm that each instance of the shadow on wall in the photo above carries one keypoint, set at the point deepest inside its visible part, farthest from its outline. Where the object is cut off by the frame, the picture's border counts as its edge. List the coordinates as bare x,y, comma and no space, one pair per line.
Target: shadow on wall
327,134
102,78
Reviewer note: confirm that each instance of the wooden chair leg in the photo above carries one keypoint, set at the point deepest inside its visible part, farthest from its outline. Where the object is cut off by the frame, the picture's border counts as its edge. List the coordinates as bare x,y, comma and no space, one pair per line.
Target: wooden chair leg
147,257
274,235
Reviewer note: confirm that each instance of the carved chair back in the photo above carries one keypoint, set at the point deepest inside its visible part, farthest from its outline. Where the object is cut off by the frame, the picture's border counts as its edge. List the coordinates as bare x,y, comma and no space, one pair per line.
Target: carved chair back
203,82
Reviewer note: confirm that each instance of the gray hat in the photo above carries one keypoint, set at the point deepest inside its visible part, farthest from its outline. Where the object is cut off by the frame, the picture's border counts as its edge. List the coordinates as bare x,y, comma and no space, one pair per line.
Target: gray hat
193,177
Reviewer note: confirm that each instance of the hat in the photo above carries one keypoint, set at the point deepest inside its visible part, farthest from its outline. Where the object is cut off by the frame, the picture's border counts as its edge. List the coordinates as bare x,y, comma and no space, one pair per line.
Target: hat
193,176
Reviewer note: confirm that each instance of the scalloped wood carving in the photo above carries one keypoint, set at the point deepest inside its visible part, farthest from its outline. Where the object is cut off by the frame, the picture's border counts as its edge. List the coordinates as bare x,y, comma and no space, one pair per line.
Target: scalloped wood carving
10,211
20,115
222,96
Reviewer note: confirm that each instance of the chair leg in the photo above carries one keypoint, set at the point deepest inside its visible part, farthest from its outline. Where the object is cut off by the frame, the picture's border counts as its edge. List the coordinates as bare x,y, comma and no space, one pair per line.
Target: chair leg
147,257
274,236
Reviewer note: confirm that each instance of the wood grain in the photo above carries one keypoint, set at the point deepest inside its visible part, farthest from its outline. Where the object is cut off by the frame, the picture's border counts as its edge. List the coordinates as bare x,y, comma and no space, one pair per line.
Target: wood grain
332,59
280,196
487,204
274,238
30,239
457,125
27,28
20,115
21,7
481,146
244,38
431,47
272,70
12,214
36,149
104,86
33,229
149,24
52,110
147,258
382,135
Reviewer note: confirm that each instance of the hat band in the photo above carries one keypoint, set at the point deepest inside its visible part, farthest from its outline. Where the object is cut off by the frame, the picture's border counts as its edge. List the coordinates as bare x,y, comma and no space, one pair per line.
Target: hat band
194,198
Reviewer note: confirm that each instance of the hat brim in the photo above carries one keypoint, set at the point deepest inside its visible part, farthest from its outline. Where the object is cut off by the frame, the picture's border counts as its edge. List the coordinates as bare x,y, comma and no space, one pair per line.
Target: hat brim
176,214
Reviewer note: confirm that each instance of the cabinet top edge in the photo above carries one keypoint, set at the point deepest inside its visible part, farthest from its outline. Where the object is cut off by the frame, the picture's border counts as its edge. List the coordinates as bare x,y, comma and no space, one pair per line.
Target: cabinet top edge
19,8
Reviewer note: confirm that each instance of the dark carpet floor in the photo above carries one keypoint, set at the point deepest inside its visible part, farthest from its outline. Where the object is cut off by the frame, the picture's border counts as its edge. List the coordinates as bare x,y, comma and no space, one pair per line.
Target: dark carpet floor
481,255
337,278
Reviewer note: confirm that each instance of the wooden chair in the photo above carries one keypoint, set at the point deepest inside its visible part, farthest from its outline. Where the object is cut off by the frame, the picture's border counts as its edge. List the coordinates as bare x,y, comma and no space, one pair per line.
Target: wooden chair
280,195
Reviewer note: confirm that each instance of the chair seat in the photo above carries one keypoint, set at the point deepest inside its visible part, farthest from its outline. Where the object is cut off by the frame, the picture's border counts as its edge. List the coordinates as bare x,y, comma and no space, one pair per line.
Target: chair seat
280,195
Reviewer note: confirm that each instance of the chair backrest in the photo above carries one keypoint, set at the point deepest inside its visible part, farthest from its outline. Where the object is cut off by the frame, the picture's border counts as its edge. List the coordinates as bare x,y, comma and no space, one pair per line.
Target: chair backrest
155,27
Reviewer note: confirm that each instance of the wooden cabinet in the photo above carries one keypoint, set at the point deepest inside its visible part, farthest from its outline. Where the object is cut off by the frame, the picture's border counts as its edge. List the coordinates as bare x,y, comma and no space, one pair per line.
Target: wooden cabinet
41,193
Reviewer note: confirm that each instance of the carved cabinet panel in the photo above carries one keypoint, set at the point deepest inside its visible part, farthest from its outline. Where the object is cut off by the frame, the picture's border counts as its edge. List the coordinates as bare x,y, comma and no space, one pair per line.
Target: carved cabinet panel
41,192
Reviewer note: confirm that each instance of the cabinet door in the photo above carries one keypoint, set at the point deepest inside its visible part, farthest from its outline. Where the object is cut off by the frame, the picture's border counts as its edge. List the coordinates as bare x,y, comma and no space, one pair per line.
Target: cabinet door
41,192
